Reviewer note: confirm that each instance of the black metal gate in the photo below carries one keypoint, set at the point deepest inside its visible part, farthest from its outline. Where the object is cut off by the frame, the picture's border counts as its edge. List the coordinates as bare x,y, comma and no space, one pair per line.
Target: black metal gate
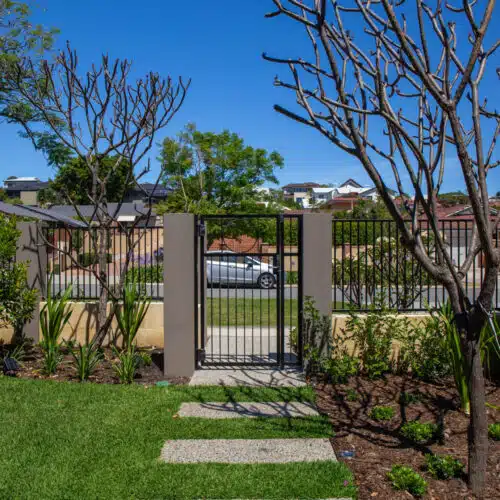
249,290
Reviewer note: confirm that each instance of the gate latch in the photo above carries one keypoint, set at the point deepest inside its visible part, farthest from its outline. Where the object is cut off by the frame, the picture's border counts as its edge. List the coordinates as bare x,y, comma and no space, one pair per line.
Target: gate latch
201,229
200,356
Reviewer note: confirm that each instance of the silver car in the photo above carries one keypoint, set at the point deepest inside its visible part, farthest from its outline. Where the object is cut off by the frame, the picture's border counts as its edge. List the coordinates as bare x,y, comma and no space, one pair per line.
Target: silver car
223,267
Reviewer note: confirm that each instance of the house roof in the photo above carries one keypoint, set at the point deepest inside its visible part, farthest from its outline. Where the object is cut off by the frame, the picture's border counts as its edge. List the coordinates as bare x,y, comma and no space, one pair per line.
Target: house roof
25,185
351,182
152,189
306,185
323,190
39,214
126,209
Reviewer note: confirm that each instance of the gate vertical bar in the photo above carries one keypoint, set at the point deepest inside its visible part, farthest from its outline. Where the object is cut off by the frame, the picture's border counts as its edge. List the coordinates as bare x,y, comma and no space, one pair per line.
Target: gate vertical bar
281,290
197,266
300,293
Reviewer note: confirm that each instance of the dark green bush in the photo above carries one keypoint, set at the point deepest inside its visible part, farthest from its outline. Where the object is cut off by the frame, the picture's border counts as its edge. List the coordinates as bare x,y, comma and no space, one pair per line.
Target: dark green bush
419,432
494,431
444,466
352,395
90,258
341,368
382,413
292,277
405,478
145,274
408,398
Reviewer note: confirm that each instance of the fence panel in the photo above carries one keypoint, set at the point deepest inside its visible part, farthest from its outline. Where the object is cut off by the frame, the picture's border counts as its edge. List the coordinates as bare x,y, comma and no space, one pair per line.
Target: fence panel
371,267
72,259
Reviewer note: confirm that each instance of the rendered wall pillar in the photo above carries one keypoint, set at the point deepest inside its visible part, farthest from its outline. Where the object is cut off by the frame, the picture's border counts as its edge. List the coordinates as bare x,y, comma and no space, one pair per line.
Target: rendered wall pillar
179,294
317,260
31,249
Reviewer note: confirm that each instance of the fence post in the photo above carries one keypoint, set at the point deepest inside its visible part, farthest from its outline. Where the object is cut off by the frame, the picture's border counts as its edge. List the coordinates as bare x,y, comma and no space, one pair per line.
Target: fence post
317,260
32,250
179,259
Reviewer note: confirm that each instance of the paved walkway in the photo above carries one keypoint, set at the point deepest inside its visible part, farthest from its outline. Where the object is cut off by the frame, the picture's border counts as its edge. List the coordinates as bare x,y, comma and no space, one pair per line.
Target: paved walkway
261,377
241,410
247,451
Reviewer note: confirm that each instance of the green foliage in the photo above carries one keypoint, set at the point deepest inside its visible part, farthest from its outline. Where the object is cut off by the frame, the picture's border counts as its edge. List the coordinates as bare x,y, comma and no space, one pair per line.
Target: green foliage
373,334
145,358
126,367
444,466
424,351
405,478
382,413
341,367
131,314
292,277
494,431
145,274
91,258
419,432
17,300
54,315
74,181
352,395
86,358
408,398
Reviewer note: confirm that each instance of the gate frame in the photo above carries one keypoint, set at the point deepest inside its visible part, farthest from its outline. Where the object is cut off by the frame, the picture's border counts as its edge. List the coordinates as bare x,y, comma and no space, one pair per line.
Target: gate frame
201,284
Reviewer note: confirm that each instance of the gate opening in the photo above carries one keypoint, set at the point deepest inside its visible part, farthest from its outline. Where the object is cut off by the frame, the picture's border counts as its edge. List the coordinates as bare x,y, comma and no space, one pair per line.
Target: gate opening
249,290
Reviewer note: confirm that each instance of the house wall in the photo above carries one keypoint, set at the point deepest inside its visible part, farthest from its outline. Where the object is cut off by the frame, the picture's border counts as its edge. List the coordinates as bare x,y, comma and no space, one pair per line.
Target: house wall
29,197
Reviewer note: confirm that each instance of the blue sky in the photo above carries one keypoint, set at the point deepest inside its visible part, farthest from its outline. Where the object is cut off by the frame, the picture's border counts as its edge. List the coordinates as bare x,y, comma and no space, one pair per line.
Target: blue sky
219,45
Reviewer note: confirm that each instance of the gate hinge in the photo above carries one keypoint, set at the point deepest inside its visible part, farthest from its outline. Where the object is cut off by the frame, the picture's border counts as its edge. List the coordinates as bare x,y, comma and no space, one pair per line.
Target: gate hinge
200,356
201,229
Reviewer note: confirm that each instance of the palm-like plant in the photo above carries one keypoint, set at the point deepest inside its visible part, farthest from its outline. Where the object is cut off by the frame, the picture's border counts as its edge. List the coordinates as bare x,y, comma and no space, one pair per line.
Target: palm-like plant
86,357
54,316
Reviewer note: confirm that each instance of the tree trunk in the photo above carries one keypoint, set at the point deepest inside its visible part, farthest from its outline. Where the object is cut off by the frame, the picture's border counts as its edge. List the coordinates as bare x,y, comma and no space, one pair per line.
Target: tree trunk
478,423
102,322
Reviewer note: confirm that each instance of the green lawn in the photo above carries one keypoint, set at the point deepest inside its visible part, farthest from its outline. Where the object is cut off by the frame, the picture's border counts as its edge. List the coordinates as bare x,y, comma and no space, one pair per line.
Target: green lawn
248,312
69,440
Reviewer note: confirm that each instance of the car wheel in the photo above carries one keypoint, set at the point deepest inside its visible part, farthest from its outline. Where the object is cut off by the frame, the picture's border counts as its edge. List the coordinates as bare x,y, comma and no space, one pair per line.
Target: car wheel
266,281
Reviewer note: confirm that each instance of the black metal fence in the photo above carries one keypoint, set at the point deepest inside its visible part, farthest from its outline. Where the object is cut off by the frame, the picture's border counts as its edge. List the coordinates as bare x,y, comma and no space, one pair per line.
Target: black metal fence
250,285
371,267
72,259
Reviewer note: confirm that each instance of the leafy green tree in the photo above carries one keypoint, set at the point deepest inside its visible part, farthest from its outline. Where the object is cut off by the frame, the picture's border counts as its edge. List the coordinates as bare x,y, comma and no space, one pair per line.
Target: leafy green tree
73,181
215,173
19,38
17,300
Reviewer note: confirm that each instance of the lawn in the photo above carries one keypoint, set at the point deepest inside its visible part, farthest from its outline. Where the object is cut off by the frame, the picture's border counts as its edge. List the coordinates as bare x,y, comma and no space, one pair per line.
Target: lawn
241,312
69,440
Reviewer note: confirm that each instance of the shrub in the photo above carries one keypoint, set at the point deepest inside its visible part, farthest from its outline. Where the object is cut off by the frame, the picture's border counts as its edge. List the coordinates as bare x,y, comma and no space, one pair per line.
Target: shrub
86,358
424,351
444,466
382,413
145,359
405,478
54,316
145,274
292,278
419,432
341,367
494,431
91,258
373,335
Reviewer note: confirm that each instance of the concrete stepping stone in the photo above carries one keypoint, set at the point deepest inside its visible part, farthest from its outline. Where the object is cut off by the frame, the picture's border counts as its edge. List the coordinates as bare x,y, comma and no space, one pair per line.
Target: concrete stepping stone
247,451
252,410
257,377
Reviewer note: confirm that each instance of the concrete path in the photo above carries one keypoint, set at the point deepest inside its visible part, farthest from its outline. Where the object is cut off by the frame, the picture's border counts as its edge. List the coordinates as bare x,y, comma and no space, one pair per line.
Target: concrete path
247,451
260,377
240,410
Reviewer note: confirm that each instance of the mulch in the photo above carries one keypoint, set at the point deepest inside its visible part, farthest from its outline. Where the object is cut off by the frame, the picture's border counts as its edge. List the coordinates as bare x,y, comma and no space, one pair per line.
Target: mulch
377,446
32,367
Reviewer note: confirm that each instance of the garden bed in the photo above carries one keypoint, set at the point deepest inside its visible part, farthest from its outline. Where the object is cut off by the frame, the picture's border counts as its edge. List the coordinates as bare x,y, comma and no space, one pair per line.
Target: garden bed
32,367
377,446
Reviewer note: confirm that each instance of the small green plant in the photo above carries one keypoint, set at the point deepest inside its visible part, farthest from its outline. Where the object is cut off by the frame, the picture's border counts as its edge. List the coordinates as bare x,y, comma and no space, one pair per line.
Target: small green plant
494,431
126,367
352,395
405,478
145,358
444,466
54,316
131,314
145,274
419,432
341,367
409,398
382,413
86,358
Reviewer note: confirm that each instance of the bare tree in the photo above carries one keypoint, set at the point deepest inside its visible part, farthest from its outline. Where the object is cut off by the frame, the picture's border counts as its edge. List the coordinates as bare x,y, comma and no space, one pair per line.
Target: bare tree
388,82
98,115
